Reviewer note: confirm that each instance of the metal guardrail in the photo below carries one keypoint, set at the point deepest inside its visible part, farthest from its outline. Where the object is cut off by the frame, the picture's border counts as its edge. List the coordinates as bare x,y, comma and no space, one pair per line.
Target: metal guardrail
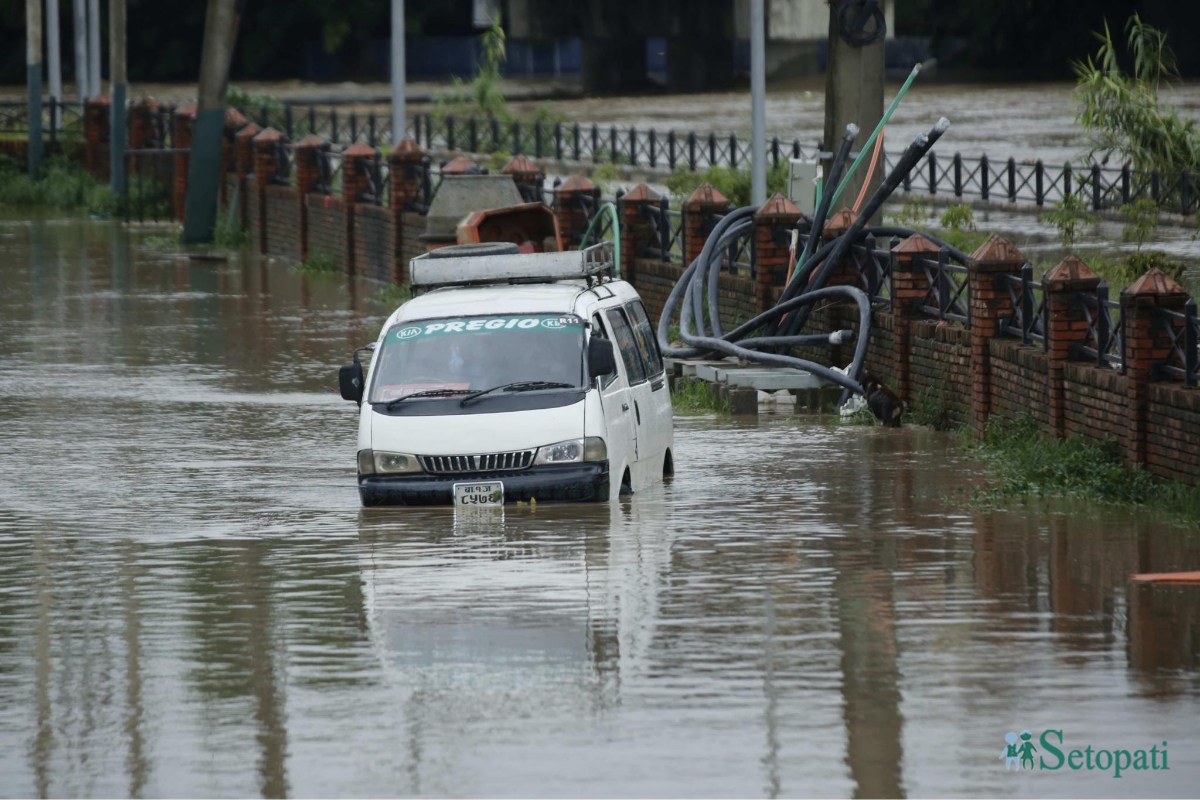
948,294
1183,329
666,243
1028,302
1106,336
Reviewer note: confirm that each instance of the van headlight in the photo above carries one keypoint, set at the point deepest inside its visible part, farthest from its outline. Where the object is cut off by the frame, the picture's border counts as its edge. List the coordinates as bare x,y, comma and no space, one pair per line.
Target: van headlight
573,451
377,462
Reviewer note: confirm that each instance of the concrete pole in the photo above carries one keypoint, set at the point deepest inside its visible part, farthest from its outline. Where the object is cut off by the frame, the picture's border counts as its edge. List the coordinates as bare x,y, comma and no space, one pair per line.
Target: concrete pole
853,93
82,81
33,83
93,48
117,91
398,74
758,104
53,51
204,163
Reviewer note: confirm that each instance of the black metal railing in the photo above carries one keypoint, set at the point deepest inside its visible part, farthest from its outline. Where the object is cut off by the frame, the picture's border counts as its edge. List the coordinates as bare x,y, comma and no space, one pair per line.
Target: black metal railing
1183,331
1028,302
666,243
1106,329
874,266
149,181
947,295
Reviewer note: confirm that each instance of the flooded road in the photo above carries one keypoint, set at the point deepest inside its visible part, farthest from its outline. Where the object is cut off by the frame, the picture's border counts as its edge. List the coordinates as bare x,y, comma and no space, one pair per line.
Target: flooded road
192,602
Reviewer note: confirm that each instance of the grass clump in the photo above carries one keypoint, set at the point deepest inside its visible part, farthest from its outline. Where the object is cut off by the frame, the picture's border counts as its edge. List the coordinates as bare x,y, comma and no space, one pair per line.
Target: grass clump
1024,463
229,232
733,183
394,295
318,262
62,187
691,396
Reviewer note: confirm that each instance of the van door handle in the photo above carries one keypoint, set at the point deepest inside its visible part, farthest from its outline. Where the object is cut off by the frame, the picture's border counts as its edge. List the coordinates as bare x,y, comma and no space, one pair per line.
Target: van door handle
637,410
624,406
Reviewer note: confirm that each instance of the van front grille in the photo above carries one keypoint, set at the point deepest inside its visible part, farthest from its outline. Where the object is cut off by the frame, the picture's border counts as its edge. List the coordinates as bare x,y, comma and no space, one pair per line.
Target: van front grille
486,462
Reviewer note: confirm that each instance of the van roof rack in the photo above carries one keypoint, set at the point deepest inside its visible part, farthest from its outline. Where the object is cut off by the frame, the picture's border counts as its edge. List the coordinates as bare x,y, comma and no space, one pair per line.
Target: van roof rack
493,262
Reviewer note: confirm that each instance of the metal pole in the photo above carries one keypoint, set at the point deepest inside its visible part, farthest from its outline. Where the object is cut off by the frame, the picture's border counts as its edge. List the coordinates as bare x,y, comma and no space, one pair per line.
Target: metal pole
117,91
82,82
398,77
758,108
93,48
53,53
204,165
33,82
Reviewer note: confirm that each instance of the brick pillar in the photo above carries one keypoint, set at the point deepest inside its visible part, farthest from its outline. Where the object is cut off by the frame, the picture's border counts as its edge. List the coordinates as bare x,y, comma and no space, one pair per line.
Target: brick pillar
461,165
846,273
636,229
234,122
909,287
243,159
308,175
354,183
265,142
407,164
1067,328
570,210
698,211
142,128
183,126
989,303
773,225
1146,344
528,177
95,137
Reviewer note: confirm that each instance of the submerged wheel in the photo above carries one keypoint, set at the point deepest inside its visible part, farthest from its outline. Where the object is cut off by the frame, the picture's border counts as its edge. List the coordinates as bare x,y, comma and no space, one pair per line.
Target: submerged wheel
668,467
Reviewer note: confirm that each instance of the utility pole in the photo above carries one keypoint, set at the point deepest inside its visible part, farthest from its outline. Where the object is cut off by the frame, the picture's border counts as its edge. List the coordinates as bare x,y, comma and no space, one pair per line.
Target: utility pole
82,81
54,54
204,164
117,91
33,83
854,81
94,48
398,75
758,105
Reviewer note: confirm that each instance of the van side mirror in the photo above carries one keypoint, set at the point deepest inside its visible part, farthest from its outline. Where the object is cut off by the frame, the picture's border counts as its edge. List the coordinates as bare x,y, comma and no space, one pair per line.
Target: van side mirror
600,357
350,380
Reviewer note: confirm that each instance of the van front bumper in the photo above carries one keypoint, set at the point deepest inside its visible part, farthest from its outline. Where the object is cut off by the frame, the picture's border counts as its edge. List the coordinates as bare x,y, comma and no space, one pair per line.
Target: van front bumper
577,483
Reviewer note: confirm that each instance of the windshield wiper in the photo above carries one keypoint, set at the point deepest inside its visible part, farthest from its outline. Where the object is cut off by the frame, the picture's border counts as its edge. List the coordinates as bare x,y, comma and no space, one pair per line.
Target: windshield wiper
518,386
427,393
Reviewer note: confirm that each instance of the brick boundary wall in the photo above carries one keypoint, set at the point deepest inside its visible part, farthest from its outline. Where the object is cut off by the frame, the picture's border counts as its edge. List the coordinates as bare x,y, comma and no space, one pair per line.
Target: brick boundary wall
282,211
374,242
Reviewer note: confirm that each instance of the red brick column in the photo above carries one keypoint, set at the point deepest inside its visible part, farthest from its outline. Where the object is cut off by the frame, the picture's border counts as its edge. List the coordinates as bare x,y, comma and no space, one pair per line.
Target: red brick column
406,166
354,183
234,122
1067,327
569,208
183,126
141,123
636,229
308,175
243,160
773,225
698,209
528,177
95,134
265,142
909,287
1146,344
989,303
845,273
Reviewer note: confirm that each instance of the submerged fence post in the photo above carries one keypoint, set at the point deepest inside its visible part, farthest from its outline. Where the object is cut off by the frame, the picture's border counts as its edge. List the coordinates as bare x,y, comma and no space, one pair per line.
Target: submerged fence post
989,303
1067,331
909,287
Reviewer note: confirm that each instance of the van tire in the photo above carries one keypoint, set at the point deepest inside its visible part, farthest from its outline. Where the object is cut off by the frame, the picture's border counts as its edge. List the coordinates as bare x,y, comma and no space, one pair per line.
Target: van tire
626,485
668,466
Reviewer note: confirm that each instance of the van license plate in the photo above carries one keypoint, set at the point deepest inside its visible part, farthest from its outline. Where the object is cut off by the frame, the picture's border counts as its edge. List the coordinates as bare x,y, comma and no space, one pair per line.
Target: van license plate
479,494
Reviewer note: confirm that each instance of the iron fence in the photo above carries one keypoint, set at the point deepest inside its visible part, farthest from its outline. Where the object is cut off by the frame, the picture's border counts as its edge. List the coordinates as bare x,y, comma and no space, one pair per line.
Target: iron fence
948,294
1028,302
874,266
1183,330
666,242
149,178
60,120
1106,329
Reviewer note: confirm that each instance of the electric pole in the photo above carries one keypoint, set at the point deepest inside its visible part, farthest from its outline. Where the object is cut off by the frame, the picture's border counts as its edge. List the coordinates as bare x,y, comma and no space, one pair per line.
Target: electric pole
117,91
204,164
82,81
398,75
33,83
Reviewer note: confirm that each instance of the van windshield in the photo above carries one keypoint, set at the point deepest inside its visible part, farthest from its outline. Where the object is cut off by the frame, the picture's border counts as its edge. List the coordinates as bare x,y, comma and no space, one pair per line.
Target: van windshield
461,354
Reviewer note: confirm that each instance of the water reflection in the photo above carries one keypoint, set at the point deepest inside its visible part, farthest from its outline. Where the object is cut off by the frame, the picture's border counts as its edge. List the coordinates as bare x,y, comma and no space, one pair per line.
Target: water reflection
191,600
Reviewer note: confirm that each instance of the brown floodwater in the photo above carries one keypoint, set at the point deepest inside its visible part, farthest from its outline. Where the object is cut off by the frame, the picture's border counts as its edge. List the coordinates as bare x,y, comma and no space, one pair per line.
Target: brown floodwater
192,602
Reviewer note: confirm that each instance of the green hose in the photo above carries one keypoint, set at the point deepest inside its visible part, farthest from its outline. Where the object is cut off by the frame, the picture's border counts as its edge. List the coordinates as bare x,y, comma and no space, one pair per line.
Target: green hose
862,153
616,232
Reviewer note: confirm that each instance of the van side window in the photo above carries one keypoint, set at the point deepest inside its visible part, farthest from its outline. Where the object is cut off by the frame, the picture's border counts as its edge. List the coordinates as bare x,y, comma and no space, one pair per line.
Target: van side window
600,332
623,333
647,343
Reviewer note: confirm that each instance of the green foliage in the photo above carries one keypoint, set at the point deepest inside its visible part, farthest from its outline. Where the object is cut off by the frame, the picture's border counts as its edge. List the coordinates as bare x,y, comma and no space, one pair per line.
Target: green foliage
958,217
1024,463
691,396
1141,221
913,213
393,295
240,98
228,232
1069,215
862,416
63,187
498,159
733,183
484,94
932,407
1121,111
318,262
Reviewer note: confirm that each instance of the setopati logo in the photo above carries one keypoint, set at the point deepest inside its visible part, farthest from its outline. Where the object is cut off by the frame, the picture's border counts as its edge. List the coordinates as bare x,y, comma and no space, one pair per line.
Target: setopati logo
488,325
1051,753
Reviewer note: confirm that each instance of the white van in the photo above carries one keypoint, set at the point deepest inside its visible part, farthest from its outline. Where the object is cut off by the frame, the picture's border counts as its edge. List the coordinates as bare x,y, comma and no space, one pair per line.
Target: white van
500,382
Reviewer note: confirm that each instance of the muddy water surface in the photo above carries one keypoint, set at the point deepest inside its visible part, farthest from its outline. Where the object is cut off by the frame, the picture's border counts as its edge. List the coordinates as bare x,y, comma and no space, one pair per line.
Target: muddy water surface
193,603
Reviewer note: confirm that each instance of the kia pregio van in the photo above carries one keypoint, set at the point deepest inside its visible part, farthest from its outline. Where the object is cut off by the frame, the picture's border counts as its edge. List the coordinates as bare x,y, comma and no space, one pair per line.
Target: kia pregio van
512,377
